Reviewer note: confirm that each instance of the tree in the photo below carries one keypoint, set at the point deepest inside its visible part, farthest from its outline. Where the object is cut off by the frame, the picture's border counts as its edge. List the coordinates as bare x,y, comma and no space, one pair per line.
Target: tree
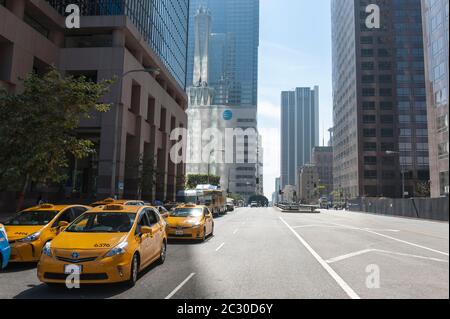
423,189
37,128
200,179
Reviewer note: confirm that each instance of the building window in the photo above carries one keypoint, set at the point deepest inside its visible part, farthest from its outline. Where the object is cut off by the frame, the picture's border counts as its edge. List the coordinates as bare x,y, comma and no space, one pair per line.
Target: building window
442,124
387,119
370,174
369,132
370,160
387,132
369,119
367,105
370,147
443,181
443,150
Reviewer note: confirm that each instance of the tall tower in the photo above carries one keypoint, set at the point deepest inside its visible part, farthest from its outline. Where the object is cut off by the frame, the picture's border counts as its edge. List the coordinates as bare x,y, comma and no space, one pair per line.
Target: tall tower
202,34
299,131
379,102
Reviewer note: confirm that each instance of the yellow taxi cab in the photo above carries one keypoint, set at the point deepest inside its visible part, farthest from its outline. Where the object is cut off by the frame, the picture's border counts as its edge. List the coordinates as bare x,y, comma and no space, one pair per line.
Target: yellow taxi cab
29,230
107,244
190,222
127,202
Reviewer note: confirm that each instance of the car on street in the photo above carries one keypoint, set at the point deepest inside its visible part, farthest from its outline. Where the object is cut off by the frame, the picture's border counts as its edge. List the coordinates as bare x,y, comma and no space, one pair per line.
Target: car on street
190,222
107,244
5,249
29,230
254,204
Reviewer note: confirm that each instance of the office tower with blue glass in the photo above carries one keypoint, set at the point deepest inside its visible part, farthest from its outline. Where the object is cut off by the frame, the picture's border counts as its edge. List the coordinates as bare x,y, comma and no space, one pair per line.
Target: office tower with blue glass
299,131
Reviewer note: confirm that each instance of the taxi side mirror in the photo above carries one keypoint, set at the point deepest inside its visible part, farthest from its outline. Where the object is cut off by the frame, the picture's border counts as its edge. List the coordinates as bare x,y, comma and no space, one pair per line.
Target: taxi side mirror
146,230
63,224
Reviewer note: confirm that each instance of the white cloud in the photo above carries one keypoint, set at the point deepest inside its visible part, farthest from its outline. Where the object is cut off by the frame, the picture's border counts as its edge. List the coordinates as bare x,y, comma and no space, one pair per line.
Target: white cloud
268,112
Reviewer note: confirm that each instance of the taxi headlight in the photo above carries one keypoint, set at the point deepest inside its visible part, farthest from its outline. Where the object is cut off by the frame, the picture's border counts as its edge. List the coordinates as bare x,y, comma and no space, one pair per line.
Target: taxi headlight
30,238
118,250
196,225
47,250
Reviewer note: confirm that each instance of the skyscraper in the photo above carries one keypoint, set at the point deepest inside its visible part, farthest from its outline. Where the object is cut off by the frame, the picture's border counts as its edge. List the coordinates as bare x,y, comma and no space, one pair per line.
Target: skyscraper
235,29
435,23
232,64
380,120
299,131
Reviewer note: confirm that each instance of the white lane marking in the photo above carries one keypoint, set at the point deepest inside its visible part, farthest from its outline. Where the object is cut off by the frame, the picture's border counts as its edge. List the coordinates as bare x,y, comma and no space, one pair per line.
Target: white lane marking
314,225
396,239
348,290
235,231
337,226
356,253
365,251
180,286
220,247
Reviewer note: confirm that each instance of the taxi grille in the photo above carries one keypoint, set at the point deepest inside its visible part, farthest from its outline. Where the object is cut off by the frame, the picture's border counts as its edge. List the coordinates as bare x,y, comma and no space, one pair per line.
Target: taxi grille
59,276
76,261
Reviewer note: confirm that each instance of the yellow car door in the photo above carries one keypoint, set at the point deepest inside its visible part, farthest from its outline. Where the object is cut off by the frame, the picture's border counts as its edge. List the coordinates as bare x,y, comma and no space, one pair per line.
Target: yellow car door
157,232
208,220
145,240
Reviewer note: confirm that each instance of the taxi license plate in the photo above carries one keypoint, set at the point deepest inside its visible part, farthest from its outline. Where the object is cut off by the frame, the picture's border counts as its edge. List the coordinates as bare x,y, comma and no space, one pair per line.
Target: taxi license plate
72,269
179,232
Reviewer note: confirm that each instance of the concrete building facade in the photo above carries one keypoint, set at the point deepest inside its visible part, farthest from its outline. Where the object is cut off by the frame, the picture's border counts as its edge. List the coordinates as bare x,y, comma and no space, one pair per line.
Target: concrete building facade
436,24
380,119
307,186
322,159
132,139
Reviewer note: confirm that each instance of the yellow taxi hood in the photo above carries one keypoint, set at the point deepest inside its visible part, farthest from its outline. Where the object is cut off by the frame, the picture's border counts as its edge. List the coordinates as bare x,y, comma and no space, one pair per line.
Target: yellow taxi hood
183,221
19,232
67,240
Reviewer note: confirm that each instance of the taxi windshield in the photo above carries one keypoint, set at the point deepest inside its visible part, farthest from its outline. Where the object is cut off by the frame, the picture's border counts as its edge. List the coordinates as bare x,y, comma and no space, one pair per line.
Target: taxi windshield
187,212
103,222
32,218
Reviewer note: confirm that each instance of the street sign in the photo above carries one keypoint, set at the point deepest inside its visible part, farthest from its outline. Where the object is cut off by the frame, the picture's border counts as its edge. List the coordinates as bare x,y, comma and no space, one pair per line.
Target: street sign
121,186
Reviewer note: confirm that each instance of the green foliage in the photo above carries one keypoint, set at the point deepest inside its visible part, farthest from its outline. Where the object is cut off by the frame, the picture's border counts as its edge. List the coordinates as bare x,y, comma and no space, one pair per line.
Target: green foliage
37,127
198,179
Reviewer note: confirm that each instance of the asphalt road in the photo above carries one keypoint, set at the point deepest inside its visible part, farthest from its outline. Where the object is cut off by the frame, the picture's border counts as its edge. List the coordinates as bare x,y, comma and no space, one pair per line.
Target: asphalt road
263,253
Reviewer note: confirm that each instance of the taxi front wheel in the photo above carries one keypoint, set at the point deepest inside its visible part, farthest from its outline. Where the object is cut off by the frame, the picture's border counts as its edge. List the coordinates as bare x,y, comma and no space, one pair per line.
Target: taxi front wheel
162,253
134,272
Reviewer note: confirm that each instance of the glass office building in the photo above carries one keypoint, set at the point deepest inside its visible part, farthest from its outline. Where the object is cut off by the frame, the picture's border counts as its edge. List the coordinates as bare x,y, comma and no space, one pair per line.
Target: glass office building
162,23
379,101
435,23
235,41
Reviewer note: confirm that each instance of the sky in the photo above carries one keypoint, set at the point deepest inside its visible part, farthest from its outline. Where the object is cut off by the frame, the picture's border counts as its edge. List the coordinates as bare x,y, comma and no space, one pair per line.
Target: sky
294,51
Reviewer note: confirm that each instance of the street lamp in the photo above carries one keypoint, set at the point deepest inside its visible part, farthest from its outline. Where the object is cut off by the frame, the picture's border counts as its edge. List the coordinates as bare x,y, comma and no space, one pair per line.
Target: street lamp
155,72
401,170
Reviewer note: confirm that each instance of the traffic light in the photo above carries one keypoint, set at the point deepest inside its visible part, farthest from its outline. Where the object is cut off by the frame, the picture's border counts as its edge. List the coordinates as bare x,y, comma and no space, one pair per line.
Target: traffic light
257,181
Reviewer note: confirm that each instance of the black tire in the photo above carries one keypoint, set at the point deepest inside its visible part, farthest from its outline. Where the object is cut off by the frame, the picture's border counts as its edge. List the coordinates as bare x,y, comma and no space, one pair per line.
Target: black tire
162,253
204,235
134,272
